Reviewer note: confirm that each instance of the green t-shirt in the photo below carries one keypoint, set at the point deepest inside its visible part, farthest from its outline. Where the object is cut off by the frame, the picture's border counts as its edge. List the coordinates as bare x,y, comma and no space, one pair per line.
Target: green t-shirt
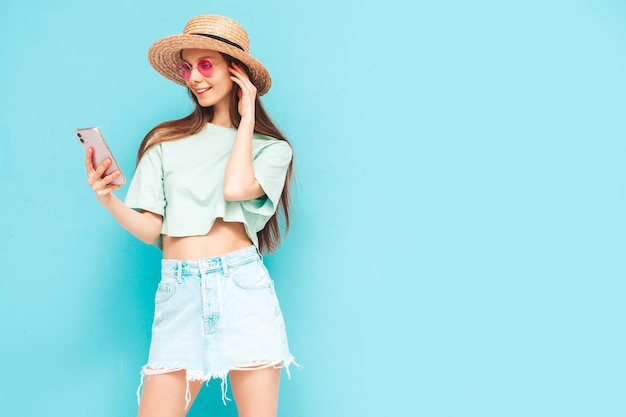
183,180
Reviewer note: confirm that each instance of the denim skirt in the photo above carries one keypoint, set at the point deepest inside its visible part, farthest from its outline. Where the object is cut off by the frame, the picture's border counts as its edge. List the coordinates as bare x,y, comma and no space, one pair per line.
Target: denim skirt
214,315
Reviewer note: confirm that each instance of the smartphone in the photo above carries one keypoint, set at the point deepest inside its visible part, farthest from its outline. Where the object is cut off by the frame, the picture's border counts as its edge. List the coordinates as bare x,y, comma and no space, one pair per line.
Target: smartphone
91,137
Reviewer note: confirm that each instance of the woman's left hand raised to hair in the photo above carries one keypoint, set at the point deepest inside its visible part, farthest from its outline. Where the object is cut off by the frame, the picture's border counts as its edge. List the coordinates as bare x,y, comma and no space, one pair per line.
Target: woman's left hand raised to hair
247,91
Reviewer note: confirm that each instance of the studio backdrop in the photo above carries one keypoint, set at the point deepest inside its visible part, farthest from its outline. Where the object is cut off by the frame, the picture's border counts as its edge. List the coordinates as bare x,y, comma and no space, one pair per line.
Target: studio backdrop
458,241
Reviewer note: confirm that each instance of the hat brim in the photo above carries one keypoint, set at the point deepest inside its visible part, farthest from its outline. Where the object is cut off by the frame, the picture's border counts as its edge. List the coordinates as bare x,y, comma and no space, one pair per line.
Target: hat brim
164,56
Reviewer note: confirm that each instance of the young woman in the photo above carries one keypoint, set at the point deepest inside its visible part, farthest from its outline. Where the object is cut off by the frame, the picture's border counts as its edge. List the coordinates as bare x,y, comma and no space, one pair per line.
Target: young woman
206,190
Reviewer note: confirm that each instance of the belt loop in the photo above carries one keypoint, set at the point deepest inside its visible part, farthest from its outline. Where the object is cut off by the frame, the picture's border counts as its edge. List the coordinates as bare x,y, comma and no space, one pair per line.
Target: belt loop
224,263
179,272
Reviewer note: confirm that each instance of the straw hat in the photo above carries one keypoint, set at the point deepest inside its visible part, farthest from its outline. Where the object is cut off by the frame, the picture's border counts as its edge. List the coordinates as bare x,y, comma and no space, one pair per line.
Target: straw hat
213,32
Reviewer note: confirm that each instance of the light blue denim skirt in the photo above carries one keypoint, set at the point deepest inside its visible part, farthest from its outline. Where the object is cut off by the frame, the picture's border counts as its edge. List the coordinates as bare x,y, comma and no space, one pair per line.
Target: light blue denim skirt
215,315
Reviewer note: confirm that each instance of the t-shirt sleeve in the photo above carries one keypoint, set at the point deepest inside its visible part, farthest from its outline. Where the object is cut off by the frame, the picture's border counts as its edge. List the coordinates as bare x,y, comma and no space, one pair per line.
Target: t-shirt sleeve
270,169
146,190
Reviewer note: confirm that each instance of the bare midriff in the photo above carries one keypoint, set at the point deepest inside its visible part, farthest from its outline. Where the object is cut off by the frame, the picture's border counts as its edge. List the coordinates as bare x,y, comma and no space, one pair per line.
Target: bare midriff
223,237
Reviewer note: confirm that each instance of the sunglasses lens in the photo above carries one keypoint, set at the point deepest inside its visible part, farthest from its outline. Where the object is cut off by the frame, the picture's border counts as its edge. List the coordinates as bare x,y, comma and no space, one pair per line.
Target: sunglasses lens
183,70
205,67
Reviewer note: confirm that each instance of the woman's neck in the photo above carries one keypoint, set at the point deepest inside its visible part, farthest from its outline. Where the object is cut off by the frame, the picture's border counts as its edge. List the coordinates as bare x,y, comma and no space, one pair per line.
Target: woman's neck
221,116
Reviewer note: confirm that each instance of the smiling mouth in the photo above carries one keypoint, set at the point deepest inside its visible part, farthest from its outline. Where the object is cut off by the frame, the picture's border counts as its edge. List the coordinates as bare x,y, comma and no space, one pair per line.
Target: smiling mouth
202,91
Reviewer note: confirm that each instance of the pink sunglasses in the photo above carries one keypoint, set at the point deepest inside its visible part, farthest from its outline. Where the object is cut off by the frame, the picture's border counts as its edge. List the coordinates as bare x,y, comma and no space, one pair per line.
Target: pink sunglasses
205,68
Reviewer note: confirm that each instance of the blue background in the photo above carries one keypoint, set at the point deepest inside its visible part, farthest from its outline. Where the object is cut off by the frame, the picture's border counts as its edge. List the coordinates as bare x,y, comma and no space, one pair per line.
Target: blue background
459,232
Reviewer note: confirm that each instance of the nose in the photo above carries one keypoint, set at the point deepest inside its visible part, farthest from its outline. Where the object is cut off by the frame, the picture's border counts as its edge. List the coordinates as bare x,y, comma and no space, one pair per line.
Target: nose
195,75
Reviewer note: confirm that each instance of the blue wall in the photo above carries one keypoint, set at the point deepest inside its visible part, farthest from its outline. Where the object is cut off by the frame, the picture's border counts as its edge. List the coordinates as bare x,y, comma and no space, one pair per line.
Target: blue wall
459,238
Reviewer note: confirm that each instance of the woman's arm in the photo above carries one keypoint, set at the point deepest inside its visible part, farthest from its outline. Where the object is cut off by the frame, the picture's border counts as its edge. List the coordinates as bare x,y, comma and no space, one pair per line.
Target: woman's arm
239,180
144,225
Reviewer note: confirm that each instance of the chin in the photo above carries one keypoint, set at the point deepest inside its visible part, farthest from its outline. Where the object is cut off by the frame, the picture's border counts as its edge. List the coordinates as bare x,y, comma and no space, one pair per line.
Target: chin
205,103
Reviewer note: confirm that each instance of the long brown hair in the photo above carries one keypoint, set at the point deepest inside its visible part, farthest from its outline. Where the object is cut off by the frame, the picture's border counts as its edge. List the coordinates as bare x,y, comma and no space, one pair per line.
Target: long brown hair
270,236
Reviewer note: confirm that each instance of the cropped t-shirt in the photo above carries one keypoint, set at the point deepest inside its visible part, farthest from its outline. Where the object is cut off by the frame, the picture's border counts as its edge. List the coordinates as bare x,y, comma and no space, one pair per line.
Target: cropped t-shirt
183,181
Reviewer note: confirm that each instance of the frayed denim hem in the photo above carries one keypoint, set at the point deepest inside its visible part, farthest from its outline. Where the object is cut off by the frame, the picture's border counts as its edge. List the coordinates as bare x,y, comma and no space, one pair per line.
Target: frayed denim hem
199,376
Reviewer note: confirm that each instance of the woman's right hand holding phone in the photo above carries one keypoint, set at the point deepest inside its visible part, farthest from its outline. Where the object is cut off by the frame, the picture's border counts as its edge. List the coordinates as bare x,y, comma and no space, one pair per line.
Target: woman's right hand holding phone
102,186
